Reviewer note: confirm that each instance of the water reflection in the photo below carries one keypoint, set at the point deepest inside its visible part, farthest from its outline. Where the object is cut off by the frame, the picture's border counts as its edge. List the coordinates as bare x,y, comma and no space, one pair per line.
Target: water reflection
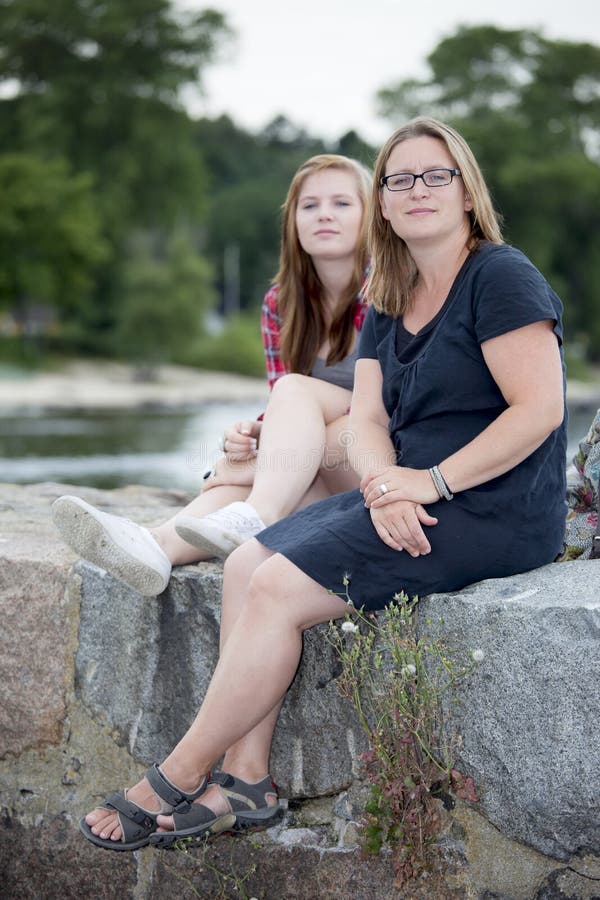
161,448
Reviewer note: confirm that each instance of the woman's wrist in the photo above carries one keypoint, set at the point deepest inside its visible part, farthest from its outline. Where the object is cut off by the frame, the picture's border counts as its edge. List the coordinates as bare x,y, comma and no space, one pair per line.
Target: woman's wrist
440,484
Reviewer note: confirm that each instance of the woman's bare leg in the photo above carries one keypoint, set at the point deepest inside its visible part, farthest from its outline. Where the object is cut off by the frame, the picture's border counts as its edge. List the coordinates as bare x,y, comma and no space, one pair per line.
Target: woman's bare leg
266,635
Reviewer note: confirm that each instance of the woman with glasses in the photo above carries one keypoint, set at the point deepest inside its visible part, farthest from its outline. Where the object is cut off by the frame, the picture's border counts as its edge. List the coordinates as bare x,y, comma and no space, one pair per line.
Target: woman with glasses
296,454
459,441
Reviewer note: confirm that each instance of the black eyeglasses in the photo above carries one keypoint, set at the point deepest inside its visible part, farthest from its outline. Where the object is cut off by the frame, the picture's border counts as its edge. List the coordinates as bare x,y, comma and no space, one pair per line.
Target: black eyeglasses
403,181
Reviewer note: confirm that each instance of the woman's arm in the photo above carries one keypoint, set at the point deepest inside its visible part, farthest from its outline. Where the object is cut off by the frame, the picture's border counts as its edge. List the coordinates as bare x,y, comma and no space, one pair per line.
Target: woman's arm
370,450
399,524
526,366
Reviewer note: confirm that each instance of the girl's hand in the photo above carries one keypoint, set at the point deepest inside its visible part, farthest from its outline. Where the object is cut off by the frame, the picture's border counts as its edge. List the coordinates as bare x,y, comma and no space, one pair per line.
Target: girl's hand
229,472
399,525
240,442
398,483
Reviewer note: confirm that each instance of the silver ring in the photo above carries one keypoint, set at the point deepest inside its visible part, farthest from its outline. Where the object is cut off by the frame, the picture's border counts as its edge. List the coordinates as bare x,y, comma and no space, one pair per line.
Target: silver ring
383,488
221,444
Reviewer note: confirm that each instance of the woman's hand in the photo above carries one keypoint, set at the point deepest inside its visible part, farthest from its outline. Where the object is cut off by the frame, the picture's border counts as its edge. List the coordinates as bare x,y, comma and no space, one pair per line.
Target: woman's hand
398,483
399,525
240,442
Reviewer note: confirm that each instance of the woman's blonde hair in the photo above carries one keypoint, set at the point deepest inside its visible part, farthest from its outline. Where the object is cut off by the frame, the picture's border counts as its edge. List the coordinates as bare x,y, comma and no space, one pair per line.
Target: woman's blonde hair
300,296
393,274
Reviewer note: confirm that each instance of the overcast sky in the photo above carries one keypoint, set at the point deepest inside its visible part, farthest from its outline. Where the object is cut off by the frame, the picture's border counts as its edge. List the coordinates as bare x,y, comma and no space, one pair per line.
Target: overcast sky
320,62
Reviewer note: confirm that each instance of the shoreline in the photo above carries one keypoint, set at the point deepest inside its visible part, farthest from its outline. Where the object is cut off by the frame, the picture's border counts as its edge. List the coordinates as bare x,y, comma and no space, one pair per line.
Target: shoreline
104,386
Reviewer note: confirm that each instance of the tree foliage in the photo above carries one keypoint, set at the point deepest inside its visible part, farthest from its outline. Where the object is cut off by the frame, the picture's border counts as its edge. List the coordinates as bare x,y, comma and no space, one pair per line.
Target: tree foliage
50,233
98,85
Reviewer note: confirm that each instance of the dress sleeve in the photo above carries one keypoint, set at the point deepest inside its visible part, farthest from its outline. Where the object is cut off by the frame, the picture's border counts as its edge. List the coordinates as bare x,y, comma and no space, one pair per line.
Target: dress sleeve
509,293
367,344
270,326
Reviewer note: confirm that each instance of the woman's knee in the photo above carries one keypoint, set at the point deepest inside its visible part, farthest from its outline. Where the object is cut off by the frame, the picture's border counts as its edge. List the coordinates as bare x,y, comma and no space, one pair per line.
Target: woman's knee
268,585
245,559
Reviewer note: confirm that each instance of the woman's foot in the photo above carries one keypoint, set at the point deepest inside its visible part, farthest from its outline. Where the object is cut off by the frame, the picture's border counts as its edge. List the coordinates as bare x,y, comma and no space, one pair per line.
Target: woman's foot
121,547
220,532
127,819
227,804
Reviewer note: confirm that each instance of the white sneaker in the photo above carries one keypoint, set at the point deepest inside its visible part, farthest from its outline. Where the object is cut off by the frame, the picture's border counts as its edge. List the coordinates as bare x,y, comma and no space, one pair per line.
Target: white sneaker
121,547
220,532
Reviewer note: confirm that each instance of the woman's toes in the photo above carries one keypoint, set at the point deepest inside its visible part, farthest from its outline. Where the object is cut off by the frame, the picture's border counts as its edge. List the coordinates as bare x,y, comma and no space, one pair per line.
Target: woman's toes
165,823
104,824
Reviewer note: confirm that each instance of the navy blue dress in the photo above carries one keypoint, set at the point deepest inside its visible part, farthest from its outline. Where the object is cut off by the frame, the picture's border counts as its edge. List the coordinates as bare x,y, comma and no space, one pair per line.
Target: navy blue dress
439,394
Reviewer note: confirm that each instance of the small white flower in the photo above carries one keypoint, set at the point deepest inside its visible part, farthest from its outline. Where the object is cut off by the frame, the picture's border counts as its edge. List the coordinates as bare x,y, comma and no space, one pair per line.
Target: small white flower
478,655
409,669
349,627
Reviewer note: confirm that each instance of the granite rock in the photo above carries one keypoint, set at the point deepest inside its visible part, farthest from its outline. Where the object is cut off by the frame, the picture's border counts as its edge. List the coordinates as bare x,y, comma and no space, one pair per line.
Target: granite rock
529,713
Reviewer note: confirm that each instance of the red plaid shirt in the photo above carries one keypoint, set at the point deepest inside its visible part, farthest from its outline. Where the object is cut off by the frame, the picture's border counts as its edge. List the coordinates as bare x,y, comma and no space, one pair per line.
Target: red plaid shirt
270,325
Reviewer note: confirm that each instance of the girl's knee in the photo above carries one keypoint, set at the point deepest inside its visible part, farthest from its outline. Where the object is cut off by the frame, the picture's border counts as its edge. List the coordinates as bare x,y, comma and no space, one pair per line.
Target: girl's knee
291,382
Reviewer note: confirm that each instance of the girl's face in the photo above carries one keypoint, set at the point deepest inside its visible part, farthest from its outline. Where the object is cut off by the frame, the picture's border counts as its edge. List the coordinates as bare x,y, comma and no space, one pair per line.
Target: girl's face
329,214
424,213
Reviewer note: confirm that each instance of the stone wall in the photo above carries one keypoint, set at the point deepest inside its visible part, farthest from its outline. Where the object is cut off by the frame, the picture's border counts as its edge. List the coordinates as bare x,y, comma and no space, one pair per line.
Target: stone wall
98,682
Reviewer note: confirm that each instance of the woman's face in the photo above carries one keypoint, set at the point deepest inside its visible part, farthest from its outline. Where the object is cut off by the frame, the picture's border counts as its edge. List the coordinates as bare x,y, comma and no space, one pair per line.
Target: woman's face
424,213
329,214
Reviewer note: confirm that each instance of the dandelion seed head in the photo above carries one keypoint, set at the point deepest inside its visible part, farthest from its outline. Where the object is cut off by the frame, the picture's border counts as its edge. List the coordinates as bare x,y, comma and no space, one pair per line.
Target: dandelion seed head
478,655
409,669
349,627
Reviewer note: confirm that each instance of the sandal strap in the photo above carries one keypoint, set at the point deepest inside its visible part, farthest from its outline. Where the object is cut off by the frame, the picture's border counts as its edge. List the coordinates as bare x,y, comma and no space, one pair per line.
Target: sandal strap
119,802
179,800
135,821
243,795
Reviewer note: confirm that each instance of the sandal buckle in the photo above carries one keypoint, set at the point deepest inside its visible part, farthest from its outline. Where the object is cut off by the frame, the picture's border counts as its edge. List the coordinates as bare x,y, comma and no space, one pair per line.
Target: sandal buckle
183,806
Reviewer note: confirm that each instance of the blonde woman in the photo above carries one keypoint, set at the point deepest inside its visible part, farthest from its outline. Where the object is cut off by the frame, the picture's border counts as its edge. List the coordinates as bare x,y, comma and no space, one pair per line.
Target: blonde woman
296,453
459,442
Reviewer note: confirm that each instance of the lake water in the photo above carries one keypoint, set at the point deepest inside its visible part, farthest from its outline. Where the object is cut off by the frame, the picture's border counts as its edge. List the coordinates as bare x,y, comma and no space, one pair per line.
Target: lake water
157,448
161,448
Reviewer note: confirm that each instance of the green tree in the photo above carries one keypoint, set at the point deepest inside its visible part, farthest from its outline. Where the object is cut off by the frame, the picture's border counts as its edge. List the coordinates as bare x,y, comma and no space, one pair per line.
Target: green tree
50,235
530,107
164,297
100,85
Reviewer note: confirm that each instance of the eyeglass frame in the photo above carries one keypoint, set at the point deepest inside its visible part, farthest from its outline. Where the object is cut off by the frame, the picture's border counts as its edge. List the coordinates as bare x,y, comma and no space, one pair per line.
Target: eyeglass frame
383,181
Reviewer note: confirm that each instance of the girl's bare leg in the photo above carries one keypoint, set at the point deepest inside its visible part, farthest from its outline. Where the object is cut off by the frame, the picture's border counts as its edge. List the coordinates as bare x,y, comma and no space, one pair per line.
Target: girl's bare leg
266,635
293,441
179,552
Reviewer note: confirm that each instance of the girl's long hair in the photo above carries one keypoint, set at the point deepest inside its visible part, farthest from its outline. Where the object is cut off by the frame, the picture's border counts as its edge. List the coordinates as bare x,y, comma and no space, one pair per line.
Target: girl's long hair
300,297
393,274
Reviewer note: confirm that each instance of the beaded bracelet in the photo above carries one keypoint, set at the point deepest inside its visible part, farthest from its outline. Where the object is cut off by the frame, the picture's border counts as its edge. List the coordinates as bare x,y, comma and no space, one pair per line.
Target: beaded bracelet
439,481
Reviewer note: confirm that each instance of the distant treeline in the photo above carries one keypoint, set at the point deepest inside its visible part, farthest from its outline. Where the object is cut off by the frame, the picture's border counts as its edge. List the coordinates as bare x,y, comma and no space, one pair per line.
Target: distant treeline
123,221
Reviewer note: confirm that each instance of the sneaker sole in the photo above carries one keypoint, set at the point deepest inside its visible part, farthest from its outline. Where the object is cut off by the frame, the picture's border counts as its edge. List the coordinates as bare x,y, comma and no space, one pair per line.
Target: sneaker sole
83,532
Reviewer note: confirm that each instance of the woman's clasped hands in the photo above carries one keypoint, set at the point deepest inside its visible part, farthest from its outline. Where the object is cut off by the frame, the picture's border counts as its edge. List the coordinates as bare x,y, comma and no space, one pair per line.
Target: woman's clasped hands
394,497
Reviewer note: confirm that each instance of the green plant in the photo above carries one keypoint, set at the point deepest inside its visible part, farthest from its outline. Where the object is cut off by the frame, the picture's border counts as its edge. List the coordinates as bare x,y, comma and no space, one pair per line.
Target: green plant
221,880
396,680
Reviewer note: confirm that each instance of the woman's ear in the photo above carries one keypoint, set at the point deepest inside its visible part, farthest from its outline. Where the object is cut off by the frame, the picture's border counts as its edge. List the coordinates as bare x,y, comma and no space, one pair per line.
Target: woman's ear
468,202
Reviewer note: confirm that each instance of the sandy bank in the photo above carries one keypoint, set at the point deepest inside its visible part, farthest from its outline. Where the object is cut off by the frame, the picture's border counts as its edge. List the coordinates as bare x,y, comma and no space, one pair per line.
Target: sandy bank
107,385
